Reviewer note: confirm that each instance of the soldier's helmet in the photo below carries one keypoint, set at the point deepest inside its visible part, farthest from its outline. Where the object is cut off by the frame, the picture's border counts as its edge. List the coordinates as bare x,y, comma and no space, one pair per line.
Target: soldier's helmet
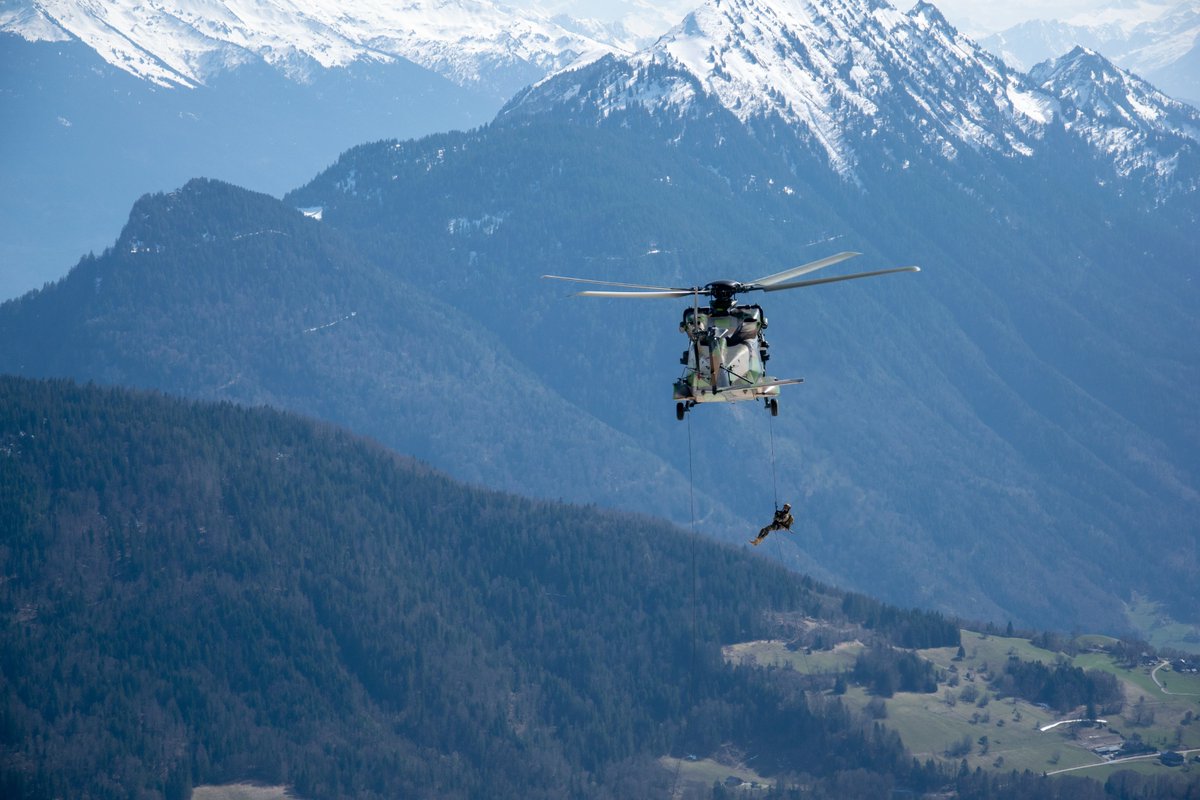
787,506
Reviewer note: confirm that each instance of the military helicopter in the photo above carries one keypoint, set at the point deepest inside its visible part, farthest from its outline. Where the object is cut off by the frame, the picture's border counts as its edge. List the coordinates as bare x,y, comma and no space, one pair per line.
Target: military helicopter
727,352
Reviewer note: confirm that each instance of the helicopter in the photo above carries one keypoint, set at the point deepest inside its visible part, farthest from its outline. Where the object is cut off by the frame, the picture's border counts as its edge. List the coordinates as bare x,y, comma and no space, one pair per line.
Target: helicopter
727,350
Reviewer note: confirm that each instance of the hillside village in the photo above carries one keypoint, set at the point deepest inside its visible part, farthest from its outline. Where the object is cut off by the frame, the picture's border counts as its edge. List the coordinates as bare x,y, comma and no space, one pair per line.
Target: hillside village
1152,722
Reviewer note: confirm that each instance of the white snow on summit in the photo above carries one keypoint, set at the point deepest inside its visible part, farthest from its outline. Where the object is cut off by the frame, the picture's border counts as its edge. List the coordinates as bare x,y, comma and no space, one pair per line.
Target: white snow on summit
859,77
842,71
183,42
1135,126
30,23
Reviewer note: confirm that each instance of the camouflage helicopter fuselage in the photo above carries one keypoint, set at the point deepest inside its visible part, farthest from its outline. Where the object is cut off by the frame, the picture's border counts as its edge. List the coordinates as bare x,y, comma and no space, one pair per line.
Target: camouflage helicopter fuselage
726,355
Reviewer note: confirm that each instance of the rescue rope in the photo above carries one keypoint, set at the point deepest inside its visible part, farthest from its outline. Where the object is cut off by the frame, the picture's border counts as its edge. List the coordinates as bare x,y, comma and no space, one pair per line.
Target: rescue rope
774,480
775,487
692,665
778,546
692,507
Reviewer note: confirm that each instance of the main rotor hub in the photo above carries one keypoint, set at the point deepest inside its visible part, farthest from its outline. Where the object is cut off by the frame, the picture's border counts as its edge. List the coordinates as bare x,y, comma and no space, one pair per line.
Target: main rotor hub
723,292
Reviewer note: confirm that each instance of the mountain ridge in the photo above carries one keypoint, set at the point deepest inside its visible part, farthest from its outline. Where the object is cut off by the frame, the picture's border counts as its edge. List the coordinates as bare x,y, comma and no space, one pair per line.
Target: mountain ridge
860,76
312,317
1145,132
180,44
824,70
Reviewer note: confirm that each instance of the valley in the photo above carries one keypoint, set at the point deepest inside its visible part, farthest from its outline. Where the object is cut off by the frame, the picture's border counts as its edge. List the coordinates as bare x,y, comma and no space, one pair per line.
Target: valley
966,719
312,487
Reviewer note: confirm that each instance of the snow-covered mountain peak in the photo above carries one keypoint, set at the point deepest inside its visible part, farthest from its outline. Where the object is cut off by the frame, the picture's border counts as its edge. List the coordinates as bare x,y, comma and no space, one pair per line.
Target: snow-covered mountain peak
929,15
30,23
1091,85
183,42
843,73
859,80
1143,131
1081,64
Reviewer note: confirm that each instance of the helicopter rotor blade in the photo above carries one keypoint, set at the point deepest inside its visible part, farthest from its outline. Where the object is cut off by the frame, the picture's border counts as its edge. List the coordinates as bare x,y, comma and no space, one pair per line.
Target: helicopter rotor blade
615,283
815,281
641,295
795,272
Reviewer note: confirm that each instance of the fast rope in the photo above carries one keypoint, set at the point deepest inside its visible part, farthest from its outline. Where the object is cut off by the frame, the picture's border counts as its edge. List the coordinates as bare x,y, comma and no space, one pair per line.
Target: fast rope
774,480
692,508
777,548
692,666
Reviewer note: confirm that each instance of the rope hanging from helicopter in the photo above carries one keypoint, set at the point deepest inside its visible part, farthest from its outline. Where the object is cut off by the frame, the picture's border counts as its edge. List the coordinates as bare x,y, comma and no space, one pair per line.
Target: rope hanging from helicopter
692,664
774,478
692,509
778,546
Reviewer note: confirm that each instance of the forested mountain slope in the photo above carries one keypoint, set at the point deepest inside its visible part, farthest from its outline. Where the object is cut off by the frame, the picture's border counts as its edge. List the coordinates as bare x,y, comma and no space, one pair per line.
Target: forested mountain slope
200,593
216,292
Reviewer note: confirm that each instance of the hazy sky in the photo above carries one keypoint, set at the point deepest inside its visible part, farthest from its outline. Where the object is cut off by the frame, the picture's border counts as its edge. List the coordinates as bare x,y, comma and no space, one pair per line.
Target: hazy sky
974,17
984,16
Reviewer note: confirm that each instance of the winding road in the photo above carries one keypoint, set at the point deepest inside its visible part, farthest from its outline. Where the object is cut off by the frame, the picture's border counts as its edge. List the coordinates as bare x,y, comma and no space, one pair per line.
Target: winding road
1162,687
1184,753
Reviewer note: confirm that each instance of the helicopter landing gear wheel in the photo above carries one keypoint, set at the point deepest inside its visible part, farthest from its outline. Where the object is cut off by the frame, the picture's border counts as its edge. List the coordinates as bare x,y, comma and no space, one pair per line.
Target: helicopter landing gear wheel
680,410
773,407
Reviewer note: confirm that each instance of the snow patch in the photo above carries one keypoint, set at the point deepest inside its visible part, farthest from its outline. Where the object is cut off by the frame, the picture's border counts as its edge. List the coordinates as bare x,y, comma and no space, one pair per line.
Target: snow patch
1036,106
487,224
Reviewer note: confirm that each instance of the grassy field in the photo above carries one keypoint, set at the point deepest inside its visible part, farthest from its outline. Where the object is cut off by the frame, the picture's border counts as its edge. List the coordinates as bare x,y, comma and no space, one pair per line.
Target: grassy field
938,725
1181,685
1169,707
702,773
1094,640
987,649
1159,628
773,652
930,727
1137,678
